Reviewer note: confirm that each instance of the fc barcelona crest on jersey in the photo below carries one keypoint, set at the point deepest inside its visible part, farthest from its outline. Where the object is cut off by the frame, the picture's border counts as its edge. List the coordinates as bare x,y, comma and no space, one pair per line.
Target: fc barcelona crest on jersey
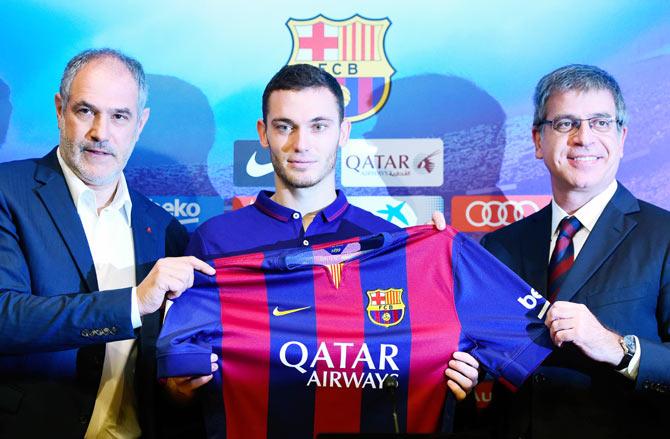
385,307
352,50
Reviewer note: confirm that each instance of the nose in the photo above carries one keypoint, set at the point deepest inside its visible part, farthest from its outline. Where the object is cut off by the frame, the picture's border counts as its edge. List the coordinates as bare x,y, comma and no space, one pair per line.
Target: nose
99,130
301,141
584,135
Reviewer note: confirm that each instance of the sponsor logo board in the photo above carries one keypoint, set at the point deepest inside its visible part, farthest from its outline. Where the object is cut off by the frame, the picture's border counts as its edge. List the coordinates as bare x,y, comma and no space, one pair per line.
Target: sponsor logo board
403,211
251,164
190,211
392,163
485,213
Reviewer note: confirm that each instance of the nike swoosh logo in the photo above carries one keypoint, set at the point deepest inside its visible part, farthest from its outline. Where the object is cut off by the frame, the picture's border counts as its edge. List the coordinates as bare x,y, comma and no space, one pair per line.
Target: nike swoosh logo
256,169
277,313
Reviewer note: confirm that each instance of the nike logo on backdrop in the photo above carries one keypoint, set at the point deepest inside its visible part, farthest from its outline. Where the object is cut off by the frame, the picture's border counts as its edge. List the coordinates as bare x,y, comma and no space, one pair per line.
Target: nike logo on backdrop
256,169
277,313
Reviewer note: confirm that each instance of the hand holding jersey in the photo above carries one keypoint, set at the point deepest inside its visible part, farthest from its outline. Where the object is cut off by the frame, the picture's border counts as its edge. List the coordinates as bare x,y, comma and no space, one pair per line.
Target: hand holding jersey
575,323
168,278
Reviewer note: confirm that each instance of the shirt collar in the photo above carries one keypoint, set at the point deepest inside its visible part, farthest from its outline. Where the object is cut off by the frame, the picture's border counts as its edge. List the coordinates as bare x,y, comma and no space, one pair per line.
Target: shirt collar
330,213
84,197
589,213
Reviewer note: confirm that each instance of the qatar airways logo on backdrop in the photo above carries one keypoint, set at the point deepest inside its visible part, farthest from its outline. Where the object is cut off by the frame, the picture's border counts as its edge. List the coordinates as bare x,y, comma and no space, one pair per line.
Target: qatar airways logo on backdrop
340,364
393,162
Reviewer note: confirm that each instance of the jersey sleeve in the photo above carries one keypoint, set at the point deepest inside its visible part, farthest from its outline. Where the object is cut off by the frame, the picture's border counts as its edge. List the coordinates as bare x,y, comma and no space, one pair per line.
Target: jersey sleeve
502,318
191,325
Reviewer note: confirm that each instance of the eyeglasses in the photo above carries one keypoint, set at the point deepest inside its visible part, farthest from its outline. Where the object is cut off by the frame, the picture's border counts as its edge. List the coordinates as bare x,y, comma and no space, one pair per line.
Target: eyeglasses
569,124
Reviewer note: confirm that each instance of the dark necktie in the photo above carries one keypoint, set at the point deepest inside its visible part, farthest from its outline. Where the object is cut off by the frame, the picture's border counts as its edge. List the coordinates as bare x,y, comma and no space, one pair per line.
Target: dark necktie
563,255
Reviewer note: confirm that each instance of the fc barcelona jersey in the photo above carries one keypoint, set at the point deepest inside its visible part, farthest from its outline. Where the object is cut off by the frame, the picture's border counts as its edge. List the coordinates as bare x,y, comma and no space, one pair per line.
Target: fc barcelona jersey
307,337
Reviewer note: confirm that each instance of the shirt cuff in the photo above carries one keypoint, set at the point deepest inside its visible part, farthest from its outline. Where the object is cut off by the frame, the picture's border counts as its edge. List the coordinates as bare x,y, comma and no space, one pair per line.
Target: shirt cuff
634,366
135,309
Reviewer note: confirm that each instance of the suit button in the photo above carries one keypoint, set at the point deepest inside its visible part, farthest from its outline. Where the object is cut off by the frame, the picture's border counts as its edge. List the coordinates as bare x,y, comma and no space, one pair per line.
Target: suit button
539,378
83,419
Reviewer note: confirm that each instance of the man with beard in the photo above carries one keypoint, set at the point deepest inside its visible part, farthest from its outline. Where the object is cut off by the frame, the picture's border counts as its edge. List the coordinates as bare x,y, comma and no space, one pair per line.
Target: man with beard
82,267
303,125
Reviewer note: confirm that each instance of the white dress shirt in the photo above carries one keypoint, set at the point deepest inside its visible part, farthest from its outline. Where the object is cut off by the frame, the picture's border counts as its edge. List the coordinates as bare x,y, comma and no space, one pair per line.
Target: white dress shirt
110,241
588,215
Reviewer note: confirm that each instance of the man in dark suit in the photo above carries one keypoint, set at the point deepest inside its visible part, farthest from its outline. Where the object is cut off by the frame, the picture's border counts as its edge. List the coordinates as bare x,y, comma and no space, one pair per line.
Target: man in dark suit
77,352
606,267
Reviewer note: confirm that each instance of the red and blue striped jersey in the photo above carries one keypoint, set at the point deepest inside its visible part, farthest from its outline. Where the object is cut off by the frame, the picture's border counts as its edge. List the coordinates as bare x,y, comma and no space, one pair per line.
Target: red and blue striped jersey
306,337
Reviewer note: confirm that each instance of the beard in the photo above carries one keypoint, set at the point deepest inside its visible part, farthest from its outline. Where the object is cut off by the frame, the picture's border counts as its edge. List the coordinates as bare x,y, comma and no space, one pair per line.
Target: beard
73,155
297,181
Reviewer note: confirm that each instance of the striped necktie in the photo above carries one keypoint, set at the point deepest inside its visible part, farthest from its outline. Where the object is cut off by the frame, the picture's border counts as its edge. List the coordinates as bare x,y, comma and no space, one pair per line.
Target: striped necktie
563,256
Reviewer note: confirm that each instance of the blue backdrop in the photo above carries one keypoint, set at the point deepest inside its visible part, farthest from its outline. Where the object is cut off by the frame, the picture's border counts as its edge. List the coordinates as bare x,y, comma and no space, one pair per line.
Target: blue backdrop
459,73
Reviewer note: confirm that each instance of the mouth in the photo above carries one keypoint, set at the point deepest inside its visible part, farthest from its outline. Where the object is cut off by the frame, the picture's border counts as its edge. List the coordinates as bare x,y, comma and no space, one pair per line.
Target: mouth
97,152
585,159
300,162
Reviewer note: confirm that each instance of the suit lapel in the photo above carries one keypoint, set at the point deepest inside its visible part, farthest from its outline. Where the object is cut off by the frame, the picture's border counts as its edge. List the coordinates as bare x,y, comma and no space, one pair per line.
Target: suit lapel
145,237
58,201
147,251
535,249
610,230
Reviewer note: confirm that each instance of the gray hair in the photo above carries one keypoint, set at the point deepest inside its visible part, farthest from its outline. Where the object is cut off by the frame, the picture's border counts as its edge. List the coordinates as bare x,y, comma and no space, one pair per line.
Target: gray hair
81,59
578,77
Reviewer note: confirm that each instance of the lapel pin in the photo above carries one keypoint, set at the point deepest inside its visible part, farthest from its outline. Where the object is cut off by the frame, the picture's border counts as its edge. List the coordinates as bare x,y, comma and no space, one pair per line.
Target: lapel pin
148,229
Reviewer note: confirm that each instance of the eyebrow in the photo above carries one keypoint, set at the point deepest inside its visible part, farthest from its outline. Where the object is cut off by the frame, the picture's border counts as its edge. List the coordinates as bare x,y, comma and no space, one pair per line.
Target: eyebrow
590,116
125,110
282,120
321,119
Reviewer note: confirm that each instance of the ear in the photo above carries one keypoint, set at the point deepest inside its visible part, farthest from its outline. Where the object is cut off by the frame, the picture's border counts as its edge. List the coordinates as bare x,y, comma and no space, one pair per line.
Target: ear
58,101
262,133
144,117
537,140
624,133
345,130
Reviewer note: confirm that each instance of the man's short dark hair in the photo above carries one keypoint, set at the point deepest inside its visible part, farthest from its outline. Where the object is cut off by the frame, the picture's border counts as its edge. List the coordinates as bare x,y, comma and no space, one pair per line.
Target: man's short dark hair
298,77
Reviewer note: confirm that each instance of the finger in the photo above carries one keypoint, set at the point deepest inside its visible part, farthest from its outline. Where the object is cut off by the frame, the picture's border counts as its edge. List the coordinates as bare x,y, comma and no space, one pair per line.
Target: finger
466,358
438,220
201,266
465,370
562,324
456,390
200,381
462,380
563,336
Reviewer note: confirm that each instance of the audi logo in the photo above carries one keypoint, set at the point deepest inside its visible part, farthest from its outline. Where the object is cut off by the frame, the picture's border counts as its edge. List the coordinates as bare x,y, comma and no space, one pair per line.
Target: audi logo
498,213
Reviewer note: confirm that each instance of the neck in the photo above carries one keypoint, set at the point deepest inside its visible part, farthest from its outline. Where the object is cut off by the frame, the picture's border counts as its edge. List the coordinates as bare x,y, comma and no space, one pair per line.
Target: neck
104,194
572,200
308,201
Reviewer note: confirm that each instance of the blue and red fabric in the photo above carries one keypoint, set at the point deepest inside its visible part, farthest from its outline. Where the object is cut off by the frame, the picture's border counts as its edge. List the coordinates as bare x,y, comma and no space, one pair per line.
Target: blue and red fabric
301,356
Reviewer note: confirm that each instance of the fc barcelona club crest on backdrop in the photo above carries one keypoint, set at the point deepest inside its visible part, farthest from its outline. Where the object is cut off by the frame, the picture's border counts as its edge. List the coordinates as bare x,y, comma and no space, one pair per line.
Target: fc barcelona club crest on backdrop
352,50
385,307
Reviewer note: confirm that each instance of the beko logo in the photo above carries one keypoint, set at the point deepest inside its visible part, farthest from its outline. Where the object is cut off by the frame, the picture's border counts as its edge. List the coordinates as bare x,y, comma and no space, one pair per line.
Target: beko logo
186,213
483,213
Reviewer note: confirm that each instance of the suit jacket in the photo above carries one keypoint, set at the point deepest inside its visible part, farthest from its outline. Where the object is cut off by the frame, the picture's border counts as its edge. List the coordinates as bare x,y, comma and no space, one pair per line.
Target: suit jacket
622,274
53,320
